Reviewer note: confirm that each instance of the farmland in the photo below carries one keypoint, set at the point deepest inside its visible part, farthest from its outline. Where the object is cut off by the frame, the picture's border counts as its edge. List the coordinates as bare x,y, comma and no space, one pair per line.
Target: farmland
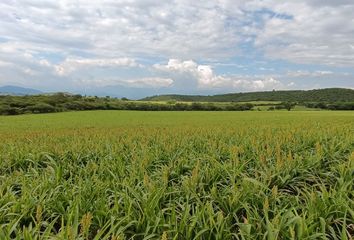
323,99
177,175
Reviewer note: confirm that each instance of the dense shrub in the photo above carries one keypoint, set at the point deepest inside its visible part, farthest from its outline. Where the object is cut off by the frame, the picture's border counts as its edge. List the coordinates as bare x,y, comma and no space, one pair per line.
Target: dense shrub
332,106
8,110
41,108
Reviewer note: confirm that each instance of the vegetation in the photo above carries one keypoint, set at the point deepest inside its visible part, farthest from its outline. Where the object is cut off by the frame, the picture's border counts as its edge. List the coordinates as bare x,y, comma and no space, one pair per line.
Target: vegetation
319,95
61,102
285,105
177,175
330,99
332,106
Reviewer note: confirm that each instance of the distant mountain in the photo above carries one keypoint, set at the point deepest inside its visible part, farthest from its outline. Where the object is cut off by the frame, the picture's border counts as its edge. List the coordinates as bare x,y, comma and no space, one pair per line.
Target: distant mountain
15,90
316,95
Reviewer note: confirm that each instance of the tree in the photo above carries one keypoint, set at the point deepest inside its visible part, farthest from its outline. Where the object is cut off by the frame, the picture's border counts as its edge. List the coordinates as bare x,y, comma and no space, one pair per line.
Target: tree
289,105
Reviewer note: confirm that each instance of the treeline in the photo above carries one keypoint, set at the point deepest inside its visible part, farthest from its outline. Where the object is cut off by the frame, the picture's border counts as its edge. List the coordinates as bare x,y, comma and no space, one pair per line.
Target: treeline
319,105
331,106
316,95
184,107
61,102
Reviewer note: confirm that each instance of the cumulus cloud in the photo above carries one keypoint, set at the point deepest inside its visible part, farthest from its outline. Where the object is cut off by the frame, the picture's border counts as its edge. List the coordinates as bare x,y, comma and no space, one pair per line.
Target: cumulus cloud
203,73
263,84
208,79
178,66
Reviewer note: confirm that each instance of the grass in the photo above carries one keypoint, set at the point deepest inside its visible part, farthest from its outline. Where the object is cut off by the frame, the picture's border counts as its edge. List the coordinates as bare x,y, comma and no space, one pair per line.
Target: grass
256,103
177,175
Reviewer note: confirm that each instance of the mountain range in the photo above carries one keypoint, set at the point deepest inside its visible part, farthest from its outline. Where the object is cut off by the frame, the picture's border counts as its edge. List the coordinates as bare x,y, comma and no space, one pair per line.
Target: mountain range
19,91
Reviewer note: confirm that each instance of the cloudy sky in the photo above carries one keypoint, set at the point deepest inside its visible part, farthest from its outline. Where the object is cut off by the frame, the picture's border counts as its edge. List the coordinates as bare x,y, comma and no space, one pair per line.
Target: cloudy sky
135,48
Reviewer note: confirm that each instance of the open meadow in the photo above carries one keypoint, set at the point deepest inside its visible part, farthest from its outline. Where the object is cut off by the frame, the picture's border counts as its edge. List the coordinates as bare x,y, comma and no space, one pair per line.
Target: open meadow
177,175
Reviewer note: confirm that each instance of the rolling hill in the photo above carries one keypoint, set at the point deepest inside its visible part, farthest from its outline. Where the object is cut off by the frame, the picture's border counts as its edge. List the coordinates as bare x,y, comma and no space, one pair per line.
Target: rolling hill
316,95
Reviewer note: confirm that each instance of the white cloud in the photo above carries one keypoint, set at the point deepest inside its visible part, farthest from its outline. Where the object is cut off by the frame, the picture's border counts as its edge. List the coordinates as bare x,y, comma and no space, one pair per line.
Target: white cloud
207,79
304,31
304,73
316,32
5,64
120,28
65,42
291,84
256,83
178,66
29,71
155,82
72,64
148,82
203,73
44,62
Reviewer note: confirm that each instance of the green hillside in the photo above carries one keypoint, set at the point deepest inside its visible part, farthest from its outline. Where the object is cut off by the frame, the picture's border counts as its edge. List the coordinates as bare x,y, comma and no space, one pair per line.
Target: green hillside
317,95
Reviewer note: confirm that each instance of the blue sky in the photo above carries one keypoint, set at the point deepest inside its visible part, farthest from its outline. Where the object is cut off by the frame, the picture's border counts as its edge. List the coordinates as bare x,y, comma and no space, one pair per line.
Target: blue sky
136,48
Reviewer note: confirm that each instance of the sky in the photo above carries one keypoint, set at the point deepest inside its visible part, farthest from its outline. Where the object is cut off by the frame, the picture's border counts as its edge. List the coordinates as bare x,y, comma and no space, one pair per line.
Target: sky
137,48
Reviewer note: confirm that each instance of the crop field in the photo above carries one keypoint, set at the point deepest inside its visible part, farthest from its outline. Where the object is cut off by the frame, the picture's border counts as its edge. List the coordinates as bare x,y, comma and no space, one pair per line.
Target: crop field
177,175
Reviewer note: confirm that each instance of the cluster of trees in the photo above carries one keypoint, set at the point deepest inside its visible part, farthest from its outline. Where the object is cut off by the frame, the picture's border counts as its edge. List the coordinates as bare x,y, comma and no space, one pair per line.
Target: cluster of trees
284,105
331,106
321,105
60,102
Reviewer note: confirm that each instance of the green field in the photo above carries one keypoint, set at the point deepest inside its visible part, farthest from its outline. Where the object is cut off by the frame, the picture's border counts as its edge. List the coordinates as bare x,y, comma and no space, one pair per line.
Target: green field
177,175
256,103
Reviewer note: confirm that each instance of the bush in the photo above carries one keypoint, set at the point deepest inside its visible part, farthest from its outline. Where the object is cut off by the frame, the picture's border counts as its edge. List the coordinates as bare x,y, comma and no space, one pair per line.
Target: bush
41,108
6,110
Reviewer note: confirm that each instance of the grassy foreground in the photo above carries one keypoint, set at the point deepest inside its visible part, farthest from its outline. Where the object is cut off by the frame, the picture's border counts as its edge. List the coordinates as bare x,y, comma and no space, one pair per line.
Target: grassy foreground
177,175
